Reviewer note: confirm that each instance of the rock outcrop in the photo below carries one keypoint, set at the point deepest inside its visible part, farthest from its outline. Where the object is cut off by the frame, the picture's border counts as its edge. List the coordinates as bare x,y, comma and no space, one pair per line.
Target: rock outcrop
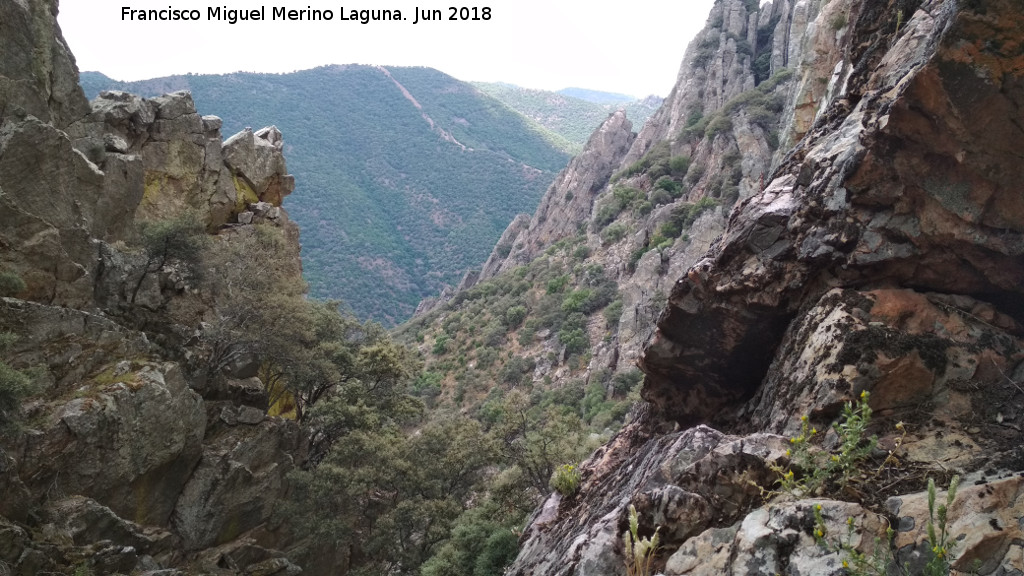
880,254
569,201
121,465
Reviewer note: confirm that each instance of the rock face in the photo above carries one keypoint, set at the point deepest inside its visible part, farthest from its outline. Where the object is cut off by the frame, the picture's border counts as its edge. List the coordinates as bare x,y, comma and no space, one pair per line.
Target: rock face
882,253
569,200
121,465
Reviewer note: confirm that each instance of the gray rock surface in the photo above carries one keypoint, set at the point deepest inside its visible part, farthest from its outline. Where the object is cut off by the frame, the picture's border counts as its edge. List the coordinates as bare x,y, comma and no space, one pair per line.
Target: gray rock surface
130,443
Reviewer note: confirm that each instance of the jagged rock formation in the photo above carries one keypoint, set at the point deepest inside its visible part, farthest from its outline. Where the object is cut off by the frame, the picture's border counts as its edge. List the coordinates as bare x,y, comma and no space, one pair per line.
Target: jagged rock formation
882,254
126,462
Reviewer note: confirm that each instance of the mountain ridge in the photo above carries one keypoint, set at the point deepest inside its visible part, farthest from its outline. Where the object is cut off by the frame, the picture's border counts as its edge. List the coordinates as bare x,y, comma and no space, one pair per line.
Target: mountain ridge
385,226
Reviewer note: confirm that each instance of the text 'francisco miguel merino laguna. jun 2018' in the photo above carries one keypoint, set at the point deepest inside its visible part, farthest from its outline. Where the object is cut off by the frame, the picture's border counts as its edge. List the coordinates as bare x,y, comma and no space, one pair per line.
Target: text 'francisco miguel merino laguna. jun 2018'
308,14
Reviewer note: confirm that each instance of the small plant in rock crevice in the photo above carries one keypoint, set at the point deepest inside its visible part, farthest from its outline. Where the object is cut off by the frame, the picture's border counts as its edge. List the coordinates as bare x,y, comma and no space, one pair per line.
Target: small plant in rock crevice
566,479
938,537
639,550
818,468
881,561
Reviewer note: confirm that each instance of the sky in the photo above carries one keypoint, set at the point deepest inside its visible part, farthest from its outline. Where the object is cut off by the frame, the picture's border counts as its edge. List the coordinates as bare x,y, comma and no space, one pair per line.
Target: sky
632,47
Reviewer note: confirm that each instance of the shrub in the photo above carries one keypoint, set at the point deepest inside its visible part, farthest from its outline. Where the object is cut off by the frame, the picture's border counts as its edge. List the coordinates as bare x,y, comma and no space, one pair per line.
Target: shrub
818,468
613,233
624,382
486,357
14,385
762,67
514,316
612,313
679,165
11,284
576,300
660,197
441,344
574,339
718,126
606,214
558,284
494,334
566,480
514,371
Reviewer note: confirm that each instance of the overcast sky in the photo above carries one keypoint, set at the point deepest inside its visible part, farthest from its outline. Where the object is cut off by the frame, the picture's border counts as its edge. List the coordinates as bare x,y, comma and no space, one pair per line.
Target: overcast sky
634,48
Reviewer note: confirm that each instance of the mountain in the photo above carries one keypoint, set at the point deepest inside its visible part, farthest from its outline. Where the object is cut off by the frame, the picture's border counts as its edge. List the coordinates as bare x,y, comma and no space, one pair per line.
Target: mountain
405,175
596,96
572,119
812,251
777,330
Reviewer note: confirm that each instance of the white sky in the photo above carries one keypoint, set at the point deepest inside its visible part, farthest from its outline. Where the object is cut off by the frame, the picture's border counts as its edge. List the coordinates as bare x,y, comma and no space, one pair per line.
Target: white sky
633,47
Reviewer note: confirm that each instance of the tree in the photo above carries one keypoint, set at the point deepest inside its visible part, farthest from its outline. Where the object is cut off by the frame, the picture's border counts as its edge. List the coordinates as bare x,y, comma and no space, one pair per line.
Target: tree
390,499
180,239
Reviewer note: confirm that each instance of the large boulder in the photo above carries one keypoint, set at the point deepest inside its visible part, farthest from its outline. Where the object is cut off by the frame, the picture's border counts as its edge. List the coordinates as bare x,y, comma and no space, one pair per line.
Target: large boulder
239,479
129,438
256,159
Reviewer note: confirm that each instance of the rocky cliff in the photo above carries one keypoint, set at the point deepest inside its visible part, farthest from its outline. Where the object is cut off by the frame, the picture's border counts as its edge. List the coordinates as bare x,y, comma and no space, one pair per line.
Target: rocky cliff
842,187
128,459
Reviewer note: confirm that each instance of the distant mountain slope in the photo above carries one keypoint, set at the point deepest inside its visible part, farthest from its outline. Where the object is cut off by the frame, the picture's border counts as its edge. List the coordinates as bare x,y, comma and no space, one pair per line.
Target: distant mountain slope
596,96
571,118
405,176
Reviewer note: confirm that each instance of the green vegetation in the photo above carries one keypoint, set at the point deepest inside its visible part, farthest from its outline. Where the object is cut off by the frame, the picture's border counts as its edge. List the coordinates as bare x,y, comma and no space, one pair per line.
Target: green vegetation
818,469
391,211
11,284
681,218
549,315
14,384
655,163
640,550
882,561
180,239
566,480
567,119
938,538
761,105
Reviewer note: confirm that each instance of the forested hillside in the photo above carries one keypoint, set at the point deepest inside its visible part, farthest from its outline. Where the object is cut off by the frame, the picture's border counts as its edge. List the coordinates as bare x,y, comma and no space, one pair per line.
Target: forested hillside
572,114
406,176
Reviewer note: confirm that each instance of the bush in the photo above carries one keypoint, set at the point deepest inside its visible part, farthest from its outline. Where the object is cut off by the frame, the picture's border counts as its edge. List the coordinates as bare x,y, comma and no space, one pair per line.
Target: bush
441,344
660,197
679,165
574,339
486,357
14,385
566,480
11,284
613,233
514,371
514,316
624,382
576,300
612,313
558,284
718,126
